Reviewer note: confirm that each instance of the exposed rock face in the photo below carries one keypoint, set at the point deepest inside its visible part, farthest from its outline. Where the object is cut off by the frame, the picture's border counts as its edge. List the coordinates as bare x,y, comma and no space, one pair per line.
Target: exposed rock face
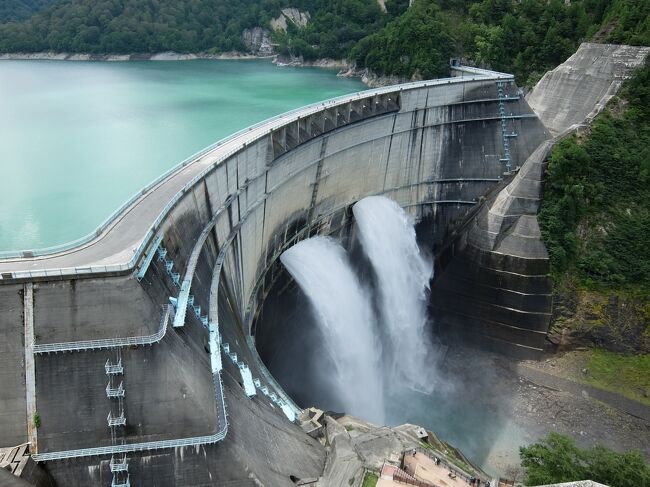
590,319
282,60
578,89
257,41
373,80
354,445
292,15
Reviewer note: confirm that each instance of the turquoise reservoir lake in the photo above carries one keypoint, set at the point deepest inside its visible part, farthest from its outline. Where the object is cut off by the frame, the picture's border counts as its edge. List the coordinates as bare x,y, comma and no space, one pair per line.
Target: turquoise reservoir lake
77,139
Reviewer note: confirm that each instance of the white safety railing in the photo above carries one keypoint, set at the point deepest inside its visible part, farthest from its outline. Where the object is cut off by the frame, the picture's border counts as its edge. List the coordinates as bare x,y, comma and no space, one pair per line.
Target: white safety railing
150,445
270,125
190,268
107,342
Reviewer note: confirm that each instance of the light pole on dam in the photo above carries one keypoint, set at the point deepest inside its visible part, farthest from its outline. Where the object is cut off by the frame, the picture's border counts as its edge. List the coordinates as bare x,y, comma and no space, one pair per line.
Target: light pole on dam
139,359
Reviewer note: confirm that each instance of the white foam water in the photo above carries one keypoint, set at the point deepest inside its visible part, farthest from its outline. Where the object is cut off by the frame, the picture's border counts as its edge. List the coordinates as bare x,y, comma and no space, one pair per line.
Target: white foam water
343,312
387,235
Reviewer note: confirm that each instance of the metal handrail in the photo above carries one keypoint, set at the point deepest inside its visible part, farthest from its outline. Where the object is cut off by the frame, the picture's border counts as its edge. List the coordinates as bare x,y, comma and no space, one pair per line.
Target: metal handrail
115,391
121,465
291,116
116,420
150,445
113,369
190,268
107,342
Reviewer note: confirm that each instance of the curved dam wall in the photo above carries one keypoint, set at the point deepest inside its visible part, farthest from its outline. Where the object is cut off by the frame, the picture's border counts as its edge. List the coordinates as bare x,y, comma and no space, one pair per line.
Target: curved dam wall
493,287
435,147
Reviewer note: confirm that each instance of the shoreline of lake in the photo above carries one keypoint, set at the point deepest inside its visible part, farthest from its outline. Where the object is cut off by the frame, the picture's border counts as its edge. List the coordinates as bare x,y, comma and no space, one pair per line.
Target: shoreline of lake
345,67
159,56
80,132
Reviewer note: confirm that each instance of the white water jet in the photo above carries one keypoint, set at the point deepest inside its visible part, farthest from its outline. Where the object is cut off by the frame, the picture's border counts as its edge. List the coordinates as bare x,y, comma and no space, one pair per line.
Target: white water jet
343,311
387,235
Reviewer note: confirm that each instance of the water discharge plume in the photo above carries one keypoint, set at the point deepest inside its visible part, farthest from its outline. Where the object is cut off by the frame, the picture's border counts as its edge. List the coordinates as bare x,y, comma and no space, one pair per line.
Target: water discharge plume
343,311
387,235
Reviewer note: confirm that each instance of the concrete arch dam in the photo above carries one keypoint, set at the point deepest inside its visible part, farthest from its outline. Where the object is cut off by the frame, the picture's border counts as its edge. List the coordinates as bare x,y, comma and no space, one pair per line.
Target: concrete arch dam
120,374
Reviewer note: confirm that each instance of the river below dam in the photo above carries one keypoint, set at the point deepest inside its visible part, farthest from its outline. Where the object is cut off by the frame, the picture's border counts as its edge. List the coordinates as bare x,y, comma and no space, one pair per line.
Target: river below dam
77,139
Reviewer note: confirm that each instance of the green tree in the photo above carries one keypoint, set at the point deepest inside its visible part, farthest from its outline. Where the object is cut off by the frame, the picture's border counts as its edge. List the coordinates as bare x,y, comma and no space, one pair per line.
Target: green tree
557,459
595,215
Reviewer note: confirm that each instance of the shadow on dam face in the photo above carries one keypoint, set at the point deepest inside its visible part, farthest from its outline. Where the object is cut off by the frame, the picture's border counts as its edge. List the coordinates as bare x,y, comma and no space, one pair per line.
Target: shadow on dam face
470,406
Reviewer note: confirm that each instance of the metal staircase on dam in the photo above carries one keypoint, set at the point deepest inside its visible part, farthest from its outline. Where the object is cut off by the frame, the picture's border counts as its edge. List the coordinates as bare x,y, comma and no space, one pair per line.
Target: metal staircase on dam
119,466
250,385
169,265
116,392
120,471
506,134
116,368
175,276
149,257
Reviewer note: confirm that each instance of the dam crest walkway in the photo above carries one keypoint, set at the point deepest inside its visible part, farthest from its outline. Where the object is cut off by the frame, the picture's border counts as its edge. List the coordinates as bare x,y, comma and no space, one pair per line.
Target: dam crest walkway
121,242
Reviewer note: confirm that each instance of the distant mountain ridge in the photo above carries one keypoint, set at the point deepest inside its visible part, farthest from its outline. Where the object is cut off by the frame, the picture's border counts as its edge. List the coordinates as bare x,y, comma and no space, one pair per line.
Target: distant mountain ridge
396,37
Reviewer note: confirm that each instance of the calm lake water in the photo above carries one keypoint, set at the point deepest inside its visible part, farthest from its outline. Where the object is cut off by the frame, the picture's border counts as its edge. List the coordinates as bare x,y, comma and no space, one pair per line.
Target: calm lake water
77,139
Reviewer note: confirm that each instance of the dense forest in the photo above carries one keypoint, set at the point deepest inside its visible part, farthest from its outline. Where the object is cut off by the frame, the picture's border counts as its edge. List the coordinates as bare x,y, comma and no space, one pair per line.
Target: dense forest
149,26
21,9
525,37
557,458
595,216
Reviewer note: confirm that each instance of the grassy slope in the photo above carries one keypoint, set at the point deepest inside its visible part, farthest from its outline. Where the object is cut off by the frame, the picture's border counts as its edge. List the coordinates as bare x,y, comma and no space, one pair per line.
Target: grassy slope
626,375
370,480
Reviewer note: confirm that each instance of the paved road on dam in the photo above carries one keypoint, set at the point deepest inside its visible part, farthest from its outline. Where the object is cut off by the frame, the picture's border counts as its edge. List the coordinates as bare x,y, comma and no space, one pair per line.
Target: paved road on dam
117,244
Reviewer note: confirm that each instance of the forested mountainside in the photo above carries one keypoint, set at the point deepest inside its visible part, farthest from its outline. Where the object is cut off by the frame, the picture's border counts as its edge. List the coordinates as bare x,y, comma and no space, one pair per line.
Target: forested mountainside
596,210
595,222
526,37
190,26
21,9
